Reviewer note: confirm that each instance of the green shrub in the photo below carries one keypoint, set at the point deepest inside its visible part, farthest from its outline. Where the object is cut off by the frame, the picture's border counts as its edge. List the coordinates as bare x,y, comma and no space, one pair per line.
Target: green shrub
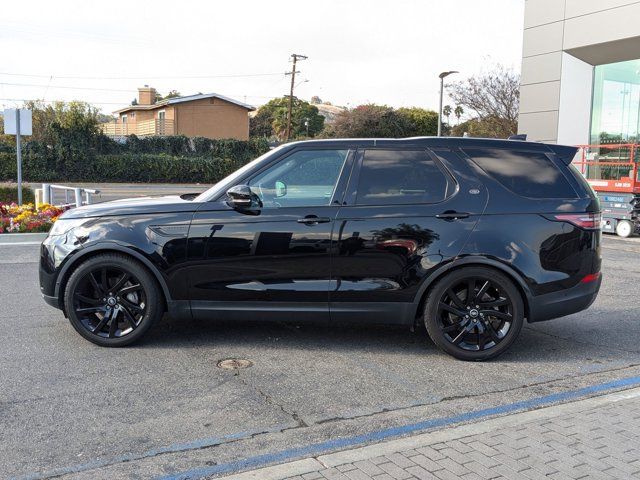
149,159
9,193
124,168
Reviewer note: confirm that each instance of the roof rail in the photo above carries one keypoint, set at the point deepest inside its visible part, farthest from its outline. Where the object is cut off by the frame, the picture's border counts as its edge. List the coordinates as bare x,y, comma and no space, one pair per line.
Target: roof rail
522,137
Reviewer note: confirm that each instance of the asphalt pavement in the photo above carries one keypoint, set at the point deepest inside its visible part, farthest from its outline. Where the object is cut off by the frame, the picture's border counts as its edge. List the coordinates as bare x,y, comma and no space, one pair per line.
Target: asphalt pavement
71,409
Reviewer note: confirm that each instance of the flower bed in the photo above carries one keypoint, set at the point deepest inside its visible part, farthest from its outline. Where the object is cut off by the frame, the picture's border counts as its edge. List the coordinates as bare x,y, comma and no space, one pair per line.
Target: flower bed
27,218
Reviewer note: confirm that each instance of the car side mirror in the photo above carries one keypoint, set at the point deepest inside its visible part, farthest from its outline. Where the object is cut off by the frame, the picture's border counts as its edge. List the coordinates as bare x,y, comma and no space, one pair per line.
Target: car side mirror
241,197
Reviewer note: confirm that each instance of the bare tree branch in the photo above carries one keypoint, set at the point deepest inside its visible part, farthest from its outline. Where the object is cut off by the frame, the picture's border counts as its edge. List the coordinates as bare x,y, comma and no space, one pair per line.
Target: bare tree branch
493,98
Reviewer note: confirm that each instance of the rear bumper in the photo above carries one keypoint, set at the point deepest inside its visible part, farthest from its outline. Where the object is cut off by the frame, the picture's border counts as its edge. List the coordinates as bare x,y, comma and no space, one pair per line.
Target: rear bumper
565,302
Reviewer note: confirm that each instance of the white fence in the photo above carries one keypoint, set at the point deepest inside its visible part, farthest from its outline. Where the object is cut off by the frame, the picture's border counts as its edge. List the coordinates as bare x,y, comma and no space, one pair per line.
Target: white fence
73,196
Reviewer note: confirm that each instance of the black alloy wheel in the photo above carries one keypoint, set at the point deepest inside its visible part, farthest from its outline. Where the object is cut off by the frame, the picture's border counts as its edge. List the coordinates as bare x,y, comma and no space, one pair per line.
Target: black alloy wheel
474,313
112,300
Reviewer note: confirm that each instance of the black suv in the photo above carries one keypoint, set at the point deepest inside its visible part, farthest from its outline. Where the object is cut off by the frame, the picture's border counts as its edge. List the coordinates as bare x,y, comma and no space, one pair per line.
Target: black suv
469,236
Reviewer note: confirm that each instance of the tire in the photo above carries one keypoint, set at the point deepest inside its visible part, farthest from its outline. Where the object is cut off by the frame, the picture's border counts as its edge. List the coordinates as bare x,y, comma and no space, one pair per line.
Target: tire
624,228
478,330
116,313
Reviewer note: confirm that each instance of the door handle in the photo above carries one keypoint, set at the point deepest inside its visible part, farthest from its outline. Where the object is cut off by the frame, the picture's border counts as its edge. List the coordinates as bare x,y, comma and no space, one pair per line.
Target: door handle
451,215
313,220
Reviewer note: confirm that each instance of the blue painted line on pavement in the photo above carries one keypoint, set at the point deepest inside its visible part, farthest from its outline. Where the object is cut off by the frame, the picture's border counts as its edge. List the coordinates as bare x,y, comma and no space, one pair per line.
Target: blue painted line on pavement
394,432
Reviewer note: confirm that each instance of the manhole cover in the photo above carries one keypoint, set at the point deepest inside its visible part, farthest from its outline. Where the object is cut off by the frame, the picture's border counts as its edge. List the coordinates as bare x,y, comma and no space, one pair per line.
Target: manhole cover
234,363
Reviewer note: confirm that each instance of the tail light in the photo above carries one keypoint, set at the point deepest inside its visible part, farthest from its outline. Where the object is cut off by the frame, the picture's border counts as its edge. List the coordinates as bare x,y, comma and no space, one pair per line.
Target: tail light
588,221
592,277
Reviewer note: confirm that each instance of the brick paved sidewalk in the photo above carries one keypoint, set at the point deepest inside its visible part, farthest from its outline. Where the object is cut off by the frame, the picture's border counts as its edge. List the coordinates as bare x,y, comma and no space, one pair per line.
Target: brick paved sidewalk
596,438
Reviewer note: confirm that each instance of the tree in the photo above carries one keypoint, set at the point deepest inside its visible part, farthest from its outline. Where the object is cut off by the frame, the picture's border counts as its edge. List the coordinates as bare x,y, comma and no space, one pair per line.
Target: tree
315,100
458,112
382,121
493,98
370,121
271,119
446,111
425,122
171,94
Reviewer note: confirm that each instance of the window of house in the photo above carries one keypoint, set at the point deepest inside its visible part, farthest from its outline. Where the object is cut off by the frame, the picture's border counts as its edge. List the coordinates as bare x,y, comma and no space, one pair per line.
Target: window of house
124,119
398,177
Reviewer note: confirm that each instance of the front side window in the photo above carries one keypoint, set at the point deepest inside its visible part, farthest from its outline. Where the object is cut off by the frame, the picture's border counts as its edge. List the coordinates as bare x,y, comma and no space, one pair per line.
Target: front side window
305,178
398,177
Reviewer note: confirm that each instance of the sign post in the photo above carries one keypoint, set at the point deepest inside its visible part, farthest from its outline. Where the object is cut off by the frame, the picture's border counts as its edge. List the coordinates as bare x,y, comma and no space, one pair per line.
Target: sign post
18,122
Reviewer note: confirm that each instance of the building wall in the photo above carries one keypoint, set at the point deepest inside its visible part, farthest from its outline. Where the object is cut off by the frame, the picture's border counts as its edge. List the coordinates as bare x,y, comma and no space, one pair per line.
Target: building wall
563,40
209,117
212,118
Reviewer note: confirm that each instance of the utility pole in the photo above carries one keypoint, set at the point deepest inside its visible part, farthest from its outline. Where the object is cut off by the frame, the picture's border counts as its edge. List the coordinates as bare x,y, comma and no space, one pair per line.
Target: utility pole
293,72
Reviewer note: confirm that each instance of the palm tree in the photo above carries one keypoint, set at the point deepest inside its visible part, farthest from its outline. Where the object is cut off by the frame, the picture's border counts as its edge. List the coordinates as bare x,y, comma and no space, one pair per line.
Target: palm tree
446,111
458,111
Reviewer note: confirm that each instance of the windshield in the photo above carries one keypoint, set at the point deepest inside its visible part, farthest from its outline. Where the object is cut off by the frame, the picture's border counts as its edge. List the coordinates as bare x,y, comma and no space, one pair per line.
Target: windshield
229,180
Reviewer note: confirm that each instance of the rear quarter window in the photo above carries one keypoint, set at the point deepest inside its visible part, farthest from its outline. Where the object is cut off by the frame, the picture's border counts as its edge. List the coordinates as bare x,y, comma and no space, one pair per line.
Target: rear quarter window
529,174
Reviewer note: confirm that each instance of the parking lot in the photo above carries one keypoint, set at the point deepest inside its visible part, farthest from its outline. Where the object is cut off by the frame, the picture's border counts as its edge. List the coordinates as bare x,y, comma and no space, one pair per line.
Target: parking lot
71,409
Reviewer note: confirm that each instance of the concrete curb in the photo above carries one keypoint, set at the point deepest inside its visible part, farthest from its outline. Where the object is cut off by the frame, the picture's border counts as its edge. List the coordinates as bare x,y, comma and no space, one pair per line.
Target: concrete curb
22,238
309,465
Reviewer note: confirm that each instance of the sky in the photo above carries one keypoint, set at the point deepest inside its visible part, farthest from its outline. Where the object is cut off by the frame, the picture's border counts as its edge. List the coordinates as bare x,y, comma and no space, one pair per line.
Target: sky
359,51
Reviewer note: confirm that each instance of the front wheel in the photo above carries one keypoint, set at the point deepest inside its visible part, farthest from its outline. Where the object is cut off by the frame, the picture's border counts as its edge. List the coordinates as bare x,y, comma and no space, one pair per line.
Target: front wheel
112,300
474,313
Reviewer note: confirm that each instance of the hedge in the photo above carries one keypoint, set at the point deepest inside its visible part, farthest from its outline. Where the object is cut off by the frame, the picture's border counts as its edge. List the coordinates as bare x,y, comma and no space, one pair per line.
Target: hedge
9,194
150,159
122,168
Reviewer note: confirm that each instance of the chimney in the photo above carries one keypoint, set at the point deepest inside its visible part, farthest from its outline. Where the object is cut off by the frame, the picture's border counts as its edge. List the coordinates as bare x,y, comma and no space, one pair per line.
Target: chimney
146,95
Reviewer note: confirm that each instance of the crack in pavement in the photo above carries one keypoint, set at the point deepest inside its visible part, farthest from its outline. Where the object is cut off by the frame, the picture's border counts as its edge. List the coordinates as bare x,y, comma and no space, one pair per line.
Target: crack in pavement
271,401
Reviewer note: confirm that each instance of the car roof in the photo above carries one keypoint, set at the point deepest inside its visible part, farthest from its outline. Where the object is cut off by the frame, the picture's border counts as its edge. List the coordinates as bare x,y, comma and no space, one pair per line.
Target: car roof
433,142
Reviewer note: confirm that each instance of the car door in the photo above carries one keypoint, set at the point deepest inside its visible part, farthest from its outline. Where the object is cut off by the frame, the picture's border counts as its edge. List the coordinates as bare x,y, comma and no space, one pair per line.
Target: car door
406,212
275,257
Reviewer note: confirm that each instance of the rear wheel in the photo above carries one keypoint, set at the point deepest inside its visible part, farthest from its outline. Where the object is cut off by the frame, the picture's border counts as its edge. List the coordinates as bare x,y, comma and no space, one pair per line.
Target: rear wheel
112,300
474,313
624,228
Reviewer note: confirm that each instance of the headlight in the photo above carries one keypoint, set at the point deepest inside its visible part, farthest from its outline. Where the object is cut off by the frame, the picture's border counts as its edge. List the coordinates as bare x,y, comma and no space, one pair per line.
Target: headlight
62,225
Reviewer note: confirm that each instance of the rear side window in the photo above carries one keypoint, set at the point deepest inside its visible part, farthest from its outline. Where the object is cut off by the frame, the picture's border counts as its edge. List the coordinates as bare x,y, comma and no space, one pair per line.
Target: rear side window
397,177
529,174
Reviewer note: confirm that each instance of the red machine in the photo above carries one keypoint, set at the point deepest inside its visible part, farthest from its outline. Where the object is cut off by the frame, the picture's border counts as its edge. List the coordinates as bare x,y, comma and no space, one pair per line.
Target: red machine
612,171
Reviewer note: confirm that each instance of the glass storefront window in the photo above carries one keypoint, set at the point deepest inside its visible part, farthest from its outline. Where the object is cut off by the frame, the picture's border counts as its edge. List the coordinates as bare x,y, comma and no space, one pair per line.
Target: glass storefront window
615,116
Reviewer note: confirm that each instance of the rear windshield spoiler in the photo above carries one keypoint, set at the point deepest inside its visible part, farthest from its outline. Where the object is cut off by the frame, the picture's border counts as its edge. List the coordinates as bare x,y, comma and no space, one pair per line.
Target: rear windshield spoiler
564,152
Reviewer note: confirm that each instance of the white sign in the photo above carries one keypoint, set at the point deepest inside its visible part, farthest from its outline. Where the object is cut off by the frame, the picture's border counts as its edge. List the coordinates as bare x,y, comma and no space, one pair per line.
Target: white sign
10,123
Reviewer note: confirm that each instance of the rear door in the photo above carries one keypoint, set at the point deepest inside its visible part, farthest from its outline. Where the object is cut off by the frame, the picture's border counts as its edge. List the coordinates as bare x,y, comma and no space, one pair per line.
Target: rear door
406,211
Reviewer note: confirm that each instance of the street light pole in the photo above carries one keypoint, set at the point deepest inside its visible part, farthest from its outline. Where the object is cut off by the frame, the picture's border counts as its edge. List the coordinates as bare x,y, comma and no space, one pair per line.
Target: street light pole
442,76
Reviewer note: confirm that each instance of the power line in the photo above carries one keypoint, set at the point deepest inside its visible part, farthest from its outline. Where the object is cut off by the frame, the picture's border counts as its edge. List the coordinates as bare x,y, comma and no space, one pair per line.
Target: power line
66,87
98,102
147,77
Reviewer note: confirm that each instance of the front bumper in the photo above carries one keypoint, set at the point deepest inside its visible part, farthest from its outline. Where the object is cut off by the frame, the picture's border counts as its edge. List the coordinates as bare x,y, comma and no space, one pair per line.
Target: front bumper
53,301
54,253
564,302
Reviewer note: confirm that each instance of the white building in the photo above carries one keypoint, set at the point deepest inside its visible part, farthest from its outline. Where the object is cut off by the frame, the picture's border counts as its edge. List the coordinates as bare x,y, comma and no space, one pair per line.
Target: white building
581,71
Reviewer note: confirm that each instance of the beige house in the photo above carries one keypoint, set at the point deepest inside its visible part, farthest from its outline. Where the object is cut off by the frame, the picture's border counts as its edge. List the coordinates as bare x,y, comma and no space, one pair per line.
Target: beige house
204,115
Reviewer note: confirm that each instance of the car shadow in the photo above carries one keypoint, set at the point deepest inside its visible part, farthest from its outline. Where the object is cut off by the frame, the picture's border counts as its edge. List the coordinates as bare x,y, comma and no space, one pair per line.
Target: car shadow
532,345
